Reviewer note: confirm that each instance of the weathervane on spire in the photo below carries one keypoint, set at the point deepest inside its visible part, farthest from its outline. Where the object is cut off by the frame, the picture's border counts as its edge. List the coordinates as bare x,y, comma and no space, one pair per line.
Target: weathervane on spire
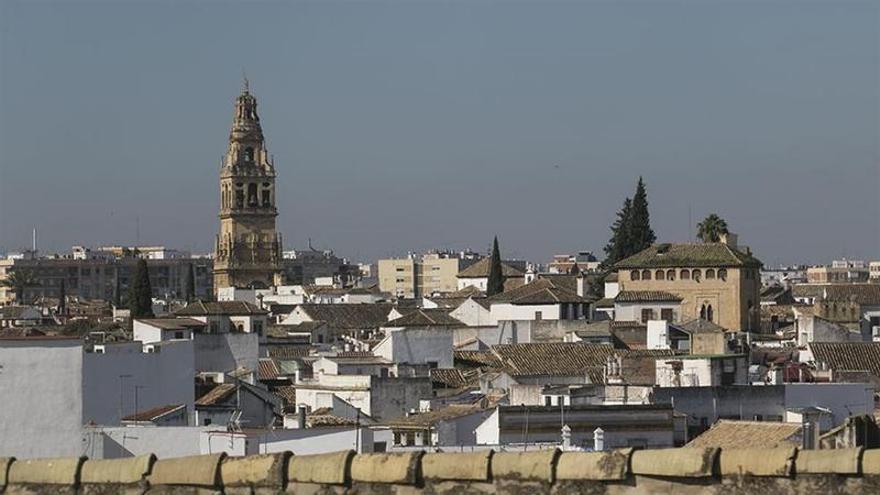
246,84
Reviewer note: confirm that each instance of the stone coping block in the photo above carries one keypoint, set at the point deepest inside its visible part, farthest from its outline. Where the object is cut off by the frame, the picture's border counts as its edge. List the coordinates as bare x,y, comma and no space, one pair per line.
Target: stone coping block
871,461
5,462
607,466
197,470
837,461
685,462
399,468
331,469
266,470
535,466
60,471
470,466
758,462
122,471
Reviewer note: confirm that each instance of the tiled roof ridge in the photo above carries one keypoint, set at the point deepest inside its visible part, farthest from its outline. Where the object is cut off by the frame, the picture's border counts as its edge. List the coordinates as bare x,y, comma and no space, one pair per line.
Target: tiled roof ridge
750,470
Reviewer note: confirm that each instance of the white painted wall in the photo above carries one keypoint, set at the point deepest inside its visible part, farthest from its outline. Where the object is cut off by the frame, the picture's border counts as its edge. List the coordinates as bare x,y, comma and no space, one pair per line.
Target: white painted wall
163,378
506,311
226,351
478,282
308,441
164,441
633,311
473,314
42,411
843,399
658,334
417,346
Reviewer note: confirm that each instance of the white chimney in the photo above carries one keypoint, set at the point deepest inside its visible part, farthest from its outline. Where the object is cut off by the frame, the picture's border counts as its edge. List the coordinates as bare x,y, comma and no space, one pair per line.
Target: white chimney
566,438
598,440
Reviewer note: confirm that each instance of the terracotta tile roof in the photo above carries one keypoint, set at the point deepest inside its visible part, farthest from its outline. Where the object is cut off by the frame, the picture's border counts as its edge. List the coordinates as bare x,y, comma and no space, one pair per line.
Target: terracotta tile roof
337,291
540,291
848,356
864,294
469,291
288,351
21,332
777,294
711,254
477,358
699,325
287,393
430,418
349,316
605,302
480,269
18,312
636,296
433,317
731,434
174,323
267,370
555,359
562,280
216,395
454,378
233,308
154,413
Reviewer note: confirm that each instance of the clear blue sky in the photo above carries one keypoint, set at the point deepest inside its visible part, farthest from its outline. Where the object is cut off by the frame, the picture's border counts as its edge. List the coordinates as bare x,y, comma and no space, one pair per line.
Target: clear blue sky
408,125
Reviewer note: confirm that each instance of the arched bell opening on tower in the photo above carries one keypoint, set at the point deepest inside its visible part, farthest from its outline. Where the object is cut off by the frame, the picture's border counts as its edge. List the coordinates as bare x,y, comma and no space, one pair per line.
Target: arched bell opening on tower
248,154
252,195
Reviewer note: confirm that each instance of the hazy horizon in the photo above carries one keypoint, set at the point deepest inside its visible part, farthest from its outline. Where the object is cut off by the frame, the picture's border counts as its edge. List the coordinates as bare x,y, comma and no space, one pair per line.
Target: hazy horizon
402,127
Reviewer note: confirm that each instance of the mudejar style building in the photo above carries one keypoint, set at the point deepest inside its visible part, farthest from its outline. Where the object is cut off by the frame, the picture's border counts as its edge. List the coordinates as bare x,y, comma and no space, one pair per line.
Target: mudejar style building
247,251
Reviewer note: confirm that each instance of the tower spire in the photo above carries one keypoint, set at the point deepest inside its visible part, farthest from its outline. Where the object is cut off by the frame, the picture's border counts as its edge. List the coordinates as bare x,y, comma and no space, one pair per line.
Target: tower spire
245,84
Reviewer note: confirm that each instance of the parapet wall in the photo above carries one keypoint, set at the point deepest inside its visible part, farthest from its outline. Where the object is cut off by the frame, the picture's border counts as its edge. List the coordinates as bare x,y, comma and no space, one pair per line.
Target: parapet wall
680,471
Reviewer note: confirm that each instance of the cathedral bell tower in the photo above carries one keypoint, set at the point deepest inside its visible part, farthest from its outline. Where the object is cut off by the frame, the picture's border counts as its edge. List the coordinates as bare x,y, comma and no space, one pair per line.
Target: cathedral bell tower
247,252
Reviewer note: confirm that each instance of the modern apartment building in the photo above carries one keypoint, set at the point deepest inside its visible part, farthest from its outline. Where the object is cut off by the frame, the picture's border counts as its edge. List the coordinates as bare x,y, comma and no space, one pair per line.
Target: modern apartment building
102,277
423,275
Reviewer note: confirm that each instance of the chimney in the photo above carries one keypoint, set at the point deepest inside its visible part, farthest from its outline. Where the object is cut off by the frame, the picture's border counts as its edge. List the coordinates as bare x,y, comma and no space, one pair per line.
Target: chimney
598,440
300,422
566,438
811,432
581,284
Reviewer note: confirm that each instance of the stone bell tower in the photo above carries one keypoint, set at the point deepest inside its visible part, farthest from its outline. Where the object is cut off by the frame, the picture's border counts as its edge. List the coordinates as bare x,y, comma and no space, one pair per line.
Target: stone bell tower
247,252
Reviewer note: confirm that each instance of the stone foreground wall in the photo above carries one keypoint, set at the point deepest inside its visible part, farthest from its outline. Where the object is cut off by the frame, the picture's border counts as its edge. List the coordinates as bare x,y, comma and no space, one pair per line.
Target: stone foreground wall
679,471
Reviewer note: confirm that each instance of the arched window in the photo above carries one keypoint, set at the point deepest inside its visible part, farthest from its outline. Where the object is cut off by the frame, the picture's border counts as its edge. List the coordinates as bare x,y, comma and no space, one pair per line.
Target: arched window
722,274
252,195
709,313
696,275
239,198
670,274
267,198
634,275
685,274
660,275
646,274
710,274
703,312
249,154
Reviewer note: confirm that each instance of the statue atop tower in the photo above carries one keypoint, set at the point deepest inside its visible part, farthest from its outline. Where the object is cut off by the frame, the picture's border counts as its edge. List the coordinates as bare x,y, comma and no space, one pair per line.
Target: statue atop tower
247,251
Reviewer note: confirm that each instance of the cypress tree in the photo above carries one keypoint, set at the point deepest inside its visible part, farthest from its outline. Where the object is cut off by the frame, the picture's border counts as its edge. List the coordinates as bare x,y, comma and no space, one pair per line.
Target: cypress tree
617,246
140,300
190,284
495,283
640,234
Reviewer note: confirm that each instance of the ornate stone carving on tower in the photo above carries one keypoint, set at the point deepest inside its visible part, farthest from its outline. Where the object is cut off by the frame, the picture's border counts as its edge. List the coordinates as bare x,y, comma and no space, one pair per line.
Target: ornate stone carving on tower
247,252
